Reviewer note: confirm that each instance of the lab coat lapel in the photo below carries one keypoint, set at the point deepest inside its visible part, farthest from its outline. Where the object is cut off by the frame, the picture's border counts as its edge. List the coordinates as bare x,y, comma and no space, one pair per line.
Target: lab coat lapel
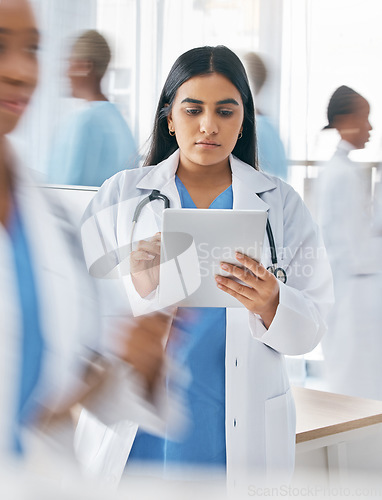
247,183
162,178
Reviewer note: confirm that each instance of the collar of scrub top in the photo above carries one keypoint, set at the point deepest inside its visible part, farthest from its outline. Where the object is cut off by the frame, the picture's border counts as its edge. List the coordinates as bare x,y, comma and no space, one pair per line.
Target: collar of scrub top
247,185
245,181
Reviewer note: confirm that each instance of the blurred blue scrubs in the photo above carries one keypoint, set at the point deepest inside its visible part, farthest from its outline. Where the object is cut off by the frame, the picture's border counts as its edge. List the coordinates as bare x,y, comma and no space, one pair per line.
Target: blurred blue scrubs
31,340
91,146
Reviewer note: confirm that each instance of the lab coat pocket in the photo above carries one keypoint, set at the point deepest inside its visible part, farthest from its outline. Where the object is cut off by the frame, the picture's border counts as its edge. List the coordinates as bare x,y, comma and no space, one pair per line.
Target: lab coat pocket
280,431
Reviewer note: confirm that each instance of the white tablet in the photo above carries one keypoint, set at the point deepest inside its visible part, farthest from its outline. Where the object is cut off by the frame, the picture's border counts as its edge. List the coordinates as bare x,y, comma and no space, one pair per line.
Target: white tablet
195,242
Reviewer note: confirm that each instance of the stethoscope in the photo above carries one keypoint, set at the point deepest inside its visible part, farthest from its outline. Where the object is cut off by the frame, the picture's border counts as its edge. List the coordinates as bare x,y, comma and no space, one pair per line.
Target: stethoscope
277,271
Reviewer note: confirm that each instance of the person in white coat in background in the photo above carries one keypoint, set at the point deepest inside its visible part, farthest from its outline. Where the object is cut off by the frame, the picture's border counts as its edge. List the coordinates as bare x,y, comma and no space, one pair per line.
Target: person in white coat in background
54,352
352,346
203,154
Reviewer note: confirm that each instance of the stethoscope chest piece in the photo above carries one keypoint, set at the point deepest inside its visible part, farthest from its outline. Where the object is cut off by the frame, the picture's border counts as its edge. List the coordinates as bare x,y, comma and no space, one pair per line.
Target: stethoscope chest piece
278,272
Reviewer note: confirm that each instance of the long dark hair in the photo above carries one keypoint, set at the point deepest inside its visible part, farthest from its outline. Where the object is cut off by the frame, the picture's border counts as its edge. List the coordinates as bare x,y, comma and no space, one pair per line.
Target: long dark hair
195,62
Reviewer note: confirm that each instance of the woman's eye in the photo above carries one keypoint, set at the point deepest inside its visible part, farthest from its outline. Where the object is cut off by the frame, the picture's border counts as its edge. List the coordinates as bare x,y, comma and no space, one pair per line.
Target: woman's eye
192,111
32,49
225,112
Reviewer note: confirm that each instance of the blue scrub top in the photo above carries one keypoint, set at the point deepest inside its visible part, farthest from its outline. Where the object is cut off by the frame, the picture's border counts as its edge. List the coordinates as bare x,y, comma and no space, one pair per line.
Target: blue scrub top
31,338
202,351
91,146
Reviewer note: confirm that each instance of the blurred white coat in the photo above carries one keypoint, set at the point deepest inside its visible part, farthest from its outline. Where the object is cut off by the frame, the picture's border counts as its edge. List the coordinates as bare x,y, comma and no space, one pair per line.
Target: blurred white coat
353,344
70,314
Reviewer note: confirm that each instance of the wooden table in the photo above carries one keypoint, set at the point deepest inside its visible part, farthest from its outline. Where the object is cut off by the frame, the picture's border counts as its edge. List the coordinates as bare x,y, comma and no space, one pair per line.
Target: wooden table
329,422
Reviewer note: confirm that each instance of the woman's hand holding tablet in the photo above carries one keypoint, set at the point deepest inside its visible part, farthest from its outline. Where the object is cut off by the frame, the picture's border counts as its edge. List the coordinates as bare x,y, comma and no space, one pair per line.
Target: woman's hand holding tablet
259,290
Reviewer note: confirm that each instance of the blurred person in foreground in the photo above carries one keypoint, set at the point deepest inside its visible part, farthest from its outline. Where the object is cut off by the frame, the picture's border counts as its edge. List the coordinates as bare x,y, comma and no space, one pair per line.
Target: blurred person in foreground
271,152
95,142
353,345
53,351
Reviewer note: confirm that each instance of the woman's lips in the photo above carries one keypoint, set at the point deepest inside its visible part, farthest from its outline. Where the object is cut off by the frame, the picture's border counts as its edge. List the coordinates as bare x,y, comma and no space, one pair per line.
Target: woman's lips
207,145
16,106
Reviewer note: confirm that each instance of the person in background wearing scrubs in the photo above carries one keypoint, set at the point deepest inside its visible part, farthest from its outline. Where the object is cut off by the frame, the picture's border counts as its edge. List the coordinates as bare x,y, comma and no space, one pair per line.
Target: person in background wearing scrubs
203,155
353,344
53,351
95,142
271,151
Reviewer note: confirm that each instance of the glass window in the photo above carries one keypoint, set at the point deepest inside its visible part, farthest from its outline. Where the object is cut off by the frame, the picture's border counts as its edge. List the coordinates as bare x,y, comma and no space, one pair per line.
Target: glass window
327,44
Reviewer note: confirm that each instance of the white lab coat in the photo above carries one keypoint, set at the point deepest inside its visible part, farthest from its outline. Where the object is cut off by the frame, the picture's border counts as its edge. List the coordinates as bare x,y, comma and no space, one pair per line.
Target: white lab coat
70,321
260,413
353,344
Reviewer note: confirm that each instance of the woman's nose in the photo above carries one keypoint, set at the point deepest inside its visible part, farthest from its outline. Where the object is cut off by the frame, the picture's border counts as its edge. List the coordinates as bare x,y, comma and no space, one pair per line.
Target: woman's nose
208,124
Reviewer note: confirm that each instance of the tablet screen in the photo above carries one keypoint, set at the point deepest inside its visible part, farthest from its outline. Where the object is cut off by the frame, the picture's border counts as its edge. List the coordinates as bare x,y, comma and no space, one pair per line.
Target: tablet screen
195,242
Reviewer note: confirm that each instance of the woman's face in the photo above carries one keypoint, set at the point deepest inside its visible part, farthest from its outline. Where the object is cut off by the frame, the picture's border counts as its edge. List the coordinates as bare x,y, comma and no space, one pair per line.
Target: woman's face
19,40
207,117
355,127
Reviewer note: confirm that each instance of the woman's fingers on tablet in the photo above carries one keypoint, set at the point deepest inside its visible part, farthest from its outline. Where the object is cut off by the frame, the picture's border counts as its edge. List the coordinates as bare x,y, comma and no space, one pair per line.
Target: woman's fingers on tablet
241,273
259,290
255,267
242,293
231,285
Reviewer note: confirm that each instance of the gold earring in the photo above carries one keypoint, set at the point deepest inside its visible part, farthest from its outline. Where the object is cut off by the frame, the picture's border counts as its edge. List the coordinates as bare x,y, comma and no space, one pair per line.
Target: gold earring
171,132
240,135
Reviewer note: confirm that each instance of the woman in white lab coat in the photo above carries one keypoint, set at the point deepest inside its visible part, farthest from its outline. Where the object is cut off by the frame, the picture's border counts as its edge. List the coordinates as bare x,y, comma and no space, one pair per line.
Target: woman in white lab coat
203,151
352,346
50,324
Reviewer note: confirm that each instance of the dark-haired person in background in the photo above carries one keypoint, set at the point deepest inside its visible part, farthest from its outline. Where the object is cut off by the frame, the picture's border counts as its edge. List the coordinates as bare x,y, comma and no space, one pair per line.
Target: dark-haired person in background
203,155
353,345
95,142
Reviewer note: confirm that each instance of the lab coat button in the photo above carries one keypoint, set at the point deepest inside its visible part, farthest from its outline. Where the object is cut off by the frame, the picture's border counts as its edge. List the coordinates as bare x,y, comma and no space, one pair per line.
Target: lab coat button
234,422
236,362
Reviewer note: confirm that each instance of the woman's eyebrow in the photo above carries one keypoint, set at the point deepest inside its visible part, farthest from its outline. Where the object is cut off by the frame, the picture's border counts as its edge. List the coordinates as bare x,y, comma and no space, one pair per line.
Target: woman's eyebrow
197,101
228,101
193,101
